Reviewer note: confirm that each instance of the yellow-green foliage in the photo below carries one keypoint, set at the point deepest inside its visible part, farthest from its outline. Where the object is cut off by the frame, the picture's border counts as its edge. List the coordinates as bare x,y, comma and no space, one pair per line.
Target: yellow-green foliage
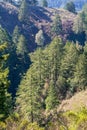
2,126
17,122
34,126
77,119
25,125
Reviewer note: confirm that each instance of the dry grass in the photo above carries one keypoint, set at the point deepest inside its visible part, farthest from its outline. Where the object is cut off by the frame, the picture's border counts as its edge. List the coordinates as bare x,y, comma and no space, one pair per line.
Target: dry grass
78,101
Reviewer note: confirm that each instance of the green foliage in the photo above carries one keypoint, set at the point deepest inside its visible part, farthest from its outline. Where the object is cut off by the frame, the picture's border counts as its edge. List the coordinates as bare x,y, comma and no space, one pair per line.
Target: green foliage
70,6
45,66
83,19
67,68
30,126
2,126
5,98
52,99
23,11
76,119
16,122
21,48
52,76
28,96
57,25
44,3
15,35
4,37
80,74
78,26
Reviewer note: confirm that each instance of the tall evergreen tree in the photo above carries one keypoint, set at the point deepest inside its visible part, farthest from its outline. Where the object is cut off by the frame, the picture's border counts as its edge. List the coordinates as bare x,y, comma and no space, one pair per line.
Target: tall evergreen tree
15,35
44,3
52,98
55,54
78,25
28,98
67,68
70,6
4,37
57,25
80,75
5,97
21,46
23,11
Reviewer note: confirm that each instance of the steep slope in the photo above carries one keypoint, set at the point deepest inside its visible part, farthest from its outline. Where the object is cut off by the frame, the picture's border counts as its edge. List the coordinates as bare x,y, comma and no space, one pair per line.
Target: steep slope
38,18
78,101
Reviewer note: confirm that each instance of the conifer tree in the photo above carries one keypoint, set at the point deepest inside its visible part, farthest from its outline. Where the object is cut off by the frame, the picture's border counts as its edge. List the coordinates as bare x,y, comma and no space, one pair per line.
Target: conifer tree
78,25
28,98
21,46
80,80
80,75
67,68
4,37
44,3
5,97
55,54
83,16
70,6
57,25
23,11
15,35
52,99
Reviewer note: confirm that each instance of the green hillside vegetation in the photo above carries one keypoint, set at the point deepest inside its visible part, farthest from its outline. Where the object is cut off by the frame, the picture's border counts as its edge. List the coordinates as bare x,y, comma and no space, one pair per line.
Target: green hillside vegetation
44,85
43,89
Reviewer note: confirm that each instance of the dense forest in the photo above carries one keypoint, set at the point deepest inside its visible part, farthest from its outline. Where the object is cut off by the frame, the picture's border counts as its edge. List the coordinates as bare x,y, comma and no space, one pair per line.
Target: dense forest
43,66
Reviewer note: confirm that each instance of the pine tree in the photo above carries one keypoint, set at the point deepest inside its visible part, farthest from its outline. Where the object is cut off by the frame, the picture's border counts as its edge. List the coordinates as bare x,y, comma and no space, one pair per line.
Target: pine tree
15,35
57,25
5,98
4,37
80,75
45,66
28,98
21,46
78,25
44,3
55,54
52,99
31,86
70,6
23,11
83,16
67,68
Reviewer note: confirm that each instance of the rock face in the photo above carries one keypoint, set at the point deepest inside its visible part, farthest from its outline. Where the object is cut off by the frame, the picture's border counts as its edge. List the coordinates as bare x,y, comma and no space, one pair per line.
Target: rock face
61,3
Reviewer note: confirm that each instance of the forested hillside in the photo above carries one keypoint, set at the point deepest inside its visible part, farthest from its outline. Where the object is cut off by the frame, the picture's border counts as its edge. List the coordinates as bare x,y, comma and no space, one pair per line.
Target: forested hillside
38,18
61,3
43,66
